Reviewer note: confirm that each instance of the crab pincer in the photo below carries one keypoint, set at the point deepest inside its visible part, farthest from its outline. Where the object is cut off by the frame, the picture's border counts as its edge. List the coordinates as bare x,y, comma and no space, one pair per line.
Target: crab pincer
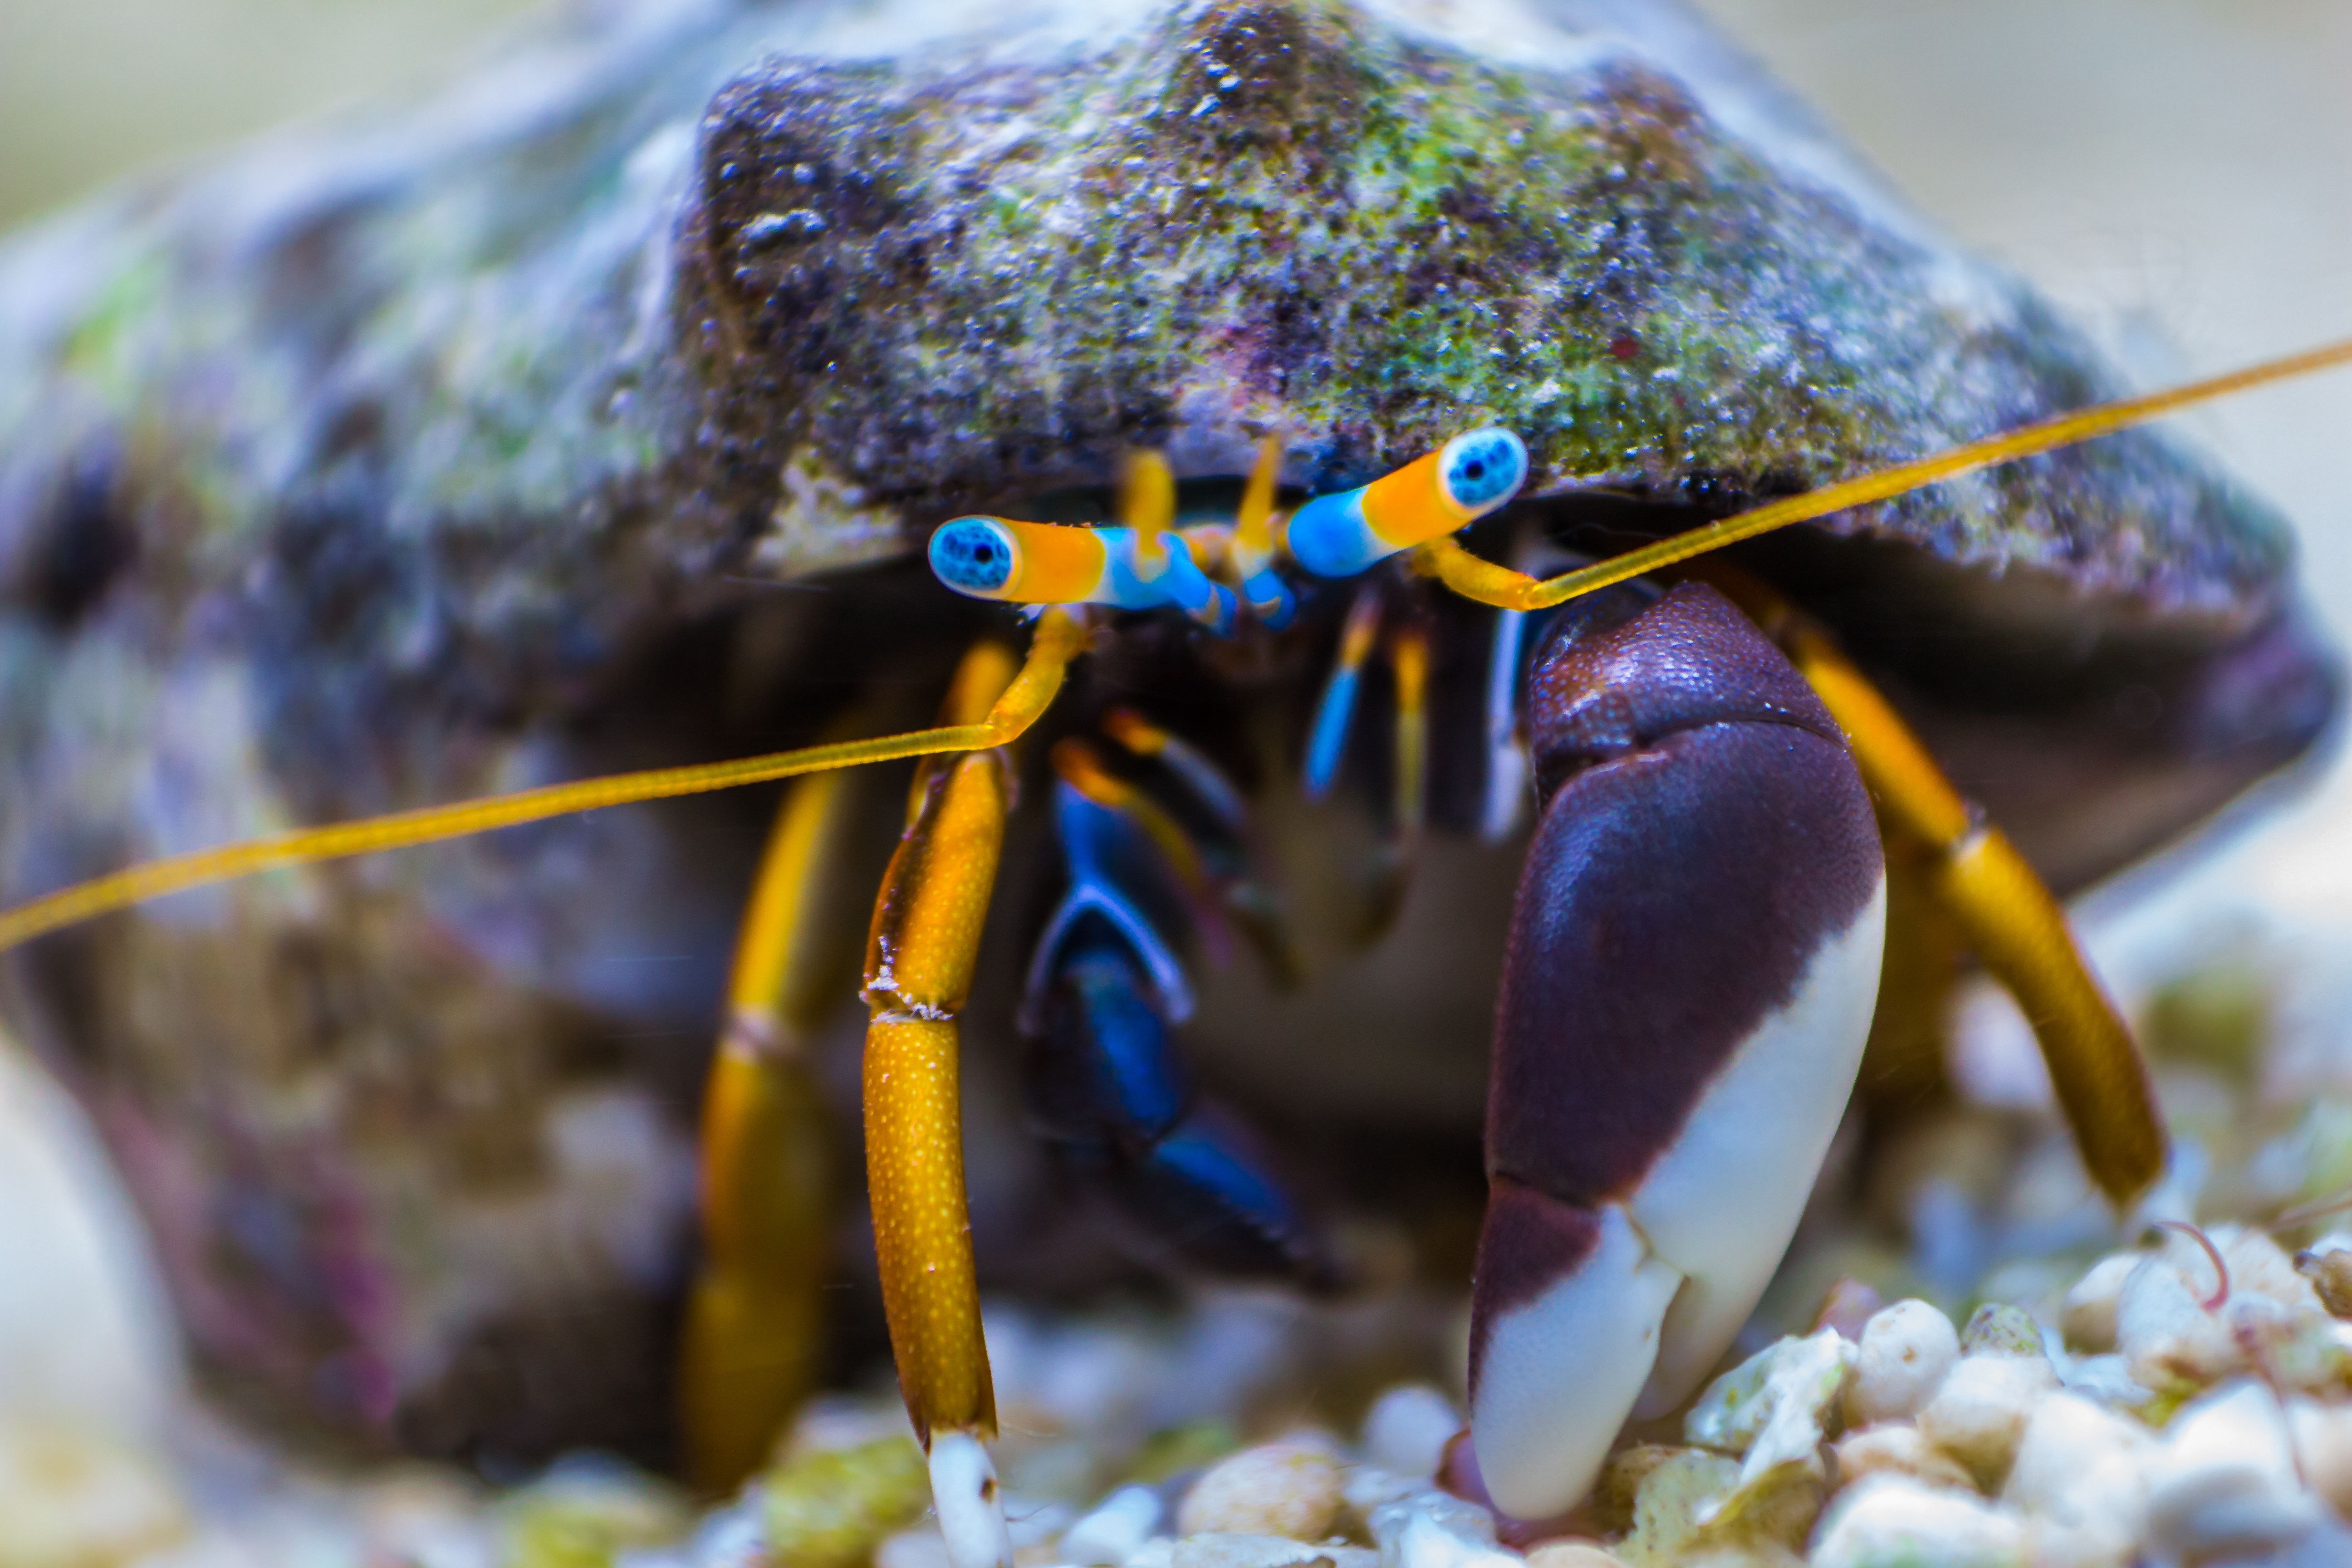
1692,967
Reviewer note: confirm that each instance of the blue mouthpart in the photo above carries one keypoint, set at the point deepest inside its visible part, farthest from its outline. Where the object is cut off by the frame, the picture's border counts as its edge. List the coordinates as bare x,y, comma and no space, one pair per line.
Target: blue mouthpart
1269,598
972,555
1327,741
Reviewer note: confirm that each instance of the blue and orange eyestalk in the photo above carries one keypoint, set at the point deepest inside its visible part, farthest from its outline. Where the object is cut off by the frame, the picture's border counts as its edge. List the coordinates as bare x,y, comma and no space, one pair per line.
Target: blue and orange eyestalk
1053,563
1462,481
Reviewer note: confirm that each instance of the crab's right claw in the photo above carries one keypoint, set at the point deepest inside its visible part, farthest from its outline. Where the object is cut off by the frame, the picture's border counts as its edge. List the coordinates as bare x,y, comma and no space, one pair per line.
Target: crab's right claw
1692,967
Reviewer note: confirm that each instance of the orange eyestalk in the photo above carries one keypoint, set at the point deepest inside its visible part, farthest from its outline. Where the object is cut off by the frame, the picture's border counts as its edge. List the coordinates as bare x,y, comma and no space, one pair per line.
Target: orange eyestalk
1429,498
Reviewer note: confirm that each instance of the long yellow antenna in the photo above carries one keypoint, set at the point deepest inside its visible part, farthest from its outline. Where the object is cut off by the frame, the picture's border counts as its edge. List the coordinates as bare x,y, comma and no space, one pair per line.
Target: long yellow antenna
1059,639
1505,589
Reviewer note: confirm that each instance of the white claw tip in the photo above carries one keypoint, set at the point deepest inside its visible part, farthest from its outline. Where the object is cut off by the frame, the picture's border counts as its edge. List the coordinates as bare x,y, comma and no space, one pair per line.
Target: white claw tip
971,1507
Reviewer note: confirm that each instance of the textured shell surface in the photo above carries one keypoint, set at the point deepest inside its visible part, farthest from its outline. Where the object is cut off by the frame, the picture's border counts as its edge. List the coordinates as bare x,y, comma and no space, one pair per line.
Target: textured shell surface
589,416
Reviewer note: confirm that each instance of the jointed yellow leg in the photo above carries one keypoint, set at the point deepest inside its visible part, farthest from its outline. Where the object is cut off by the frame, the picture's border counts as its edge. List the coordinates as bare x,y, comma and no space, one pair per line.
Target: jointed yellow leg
926,933
2003,912
753,1320
918,966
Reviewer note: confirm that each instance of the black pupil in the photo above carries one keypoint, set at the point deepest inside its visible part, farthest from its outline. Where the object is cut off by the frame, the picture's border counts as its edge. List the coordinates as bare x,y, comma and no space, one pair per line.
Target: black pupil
1475,470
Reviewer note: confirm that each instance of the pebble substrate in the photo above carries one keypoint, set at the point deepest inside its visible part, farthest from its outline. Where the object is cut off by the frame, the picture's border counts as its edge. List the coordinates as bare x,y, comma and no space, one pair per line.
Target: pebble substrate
2009,1388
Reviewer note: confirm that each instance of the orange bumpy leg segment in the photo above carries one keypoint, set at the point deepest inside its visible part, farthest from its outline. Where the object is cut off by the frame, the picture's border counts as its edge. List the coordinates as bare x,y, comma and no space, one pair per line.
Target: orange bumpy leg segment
923,1230
2004,913
754,1317
918,966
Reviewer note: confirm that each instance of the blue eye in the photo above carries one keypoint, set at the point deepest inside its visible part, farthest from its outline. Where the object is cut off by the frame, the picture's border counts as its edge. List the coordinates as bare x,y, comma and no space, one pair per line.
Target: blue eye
972,555
1482,469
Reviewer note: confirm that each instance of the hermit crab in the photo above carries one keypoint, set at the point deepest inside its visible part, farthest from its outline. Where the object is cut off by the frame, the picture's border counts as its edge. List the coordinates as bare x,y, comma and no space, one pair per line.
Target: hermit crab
1346,402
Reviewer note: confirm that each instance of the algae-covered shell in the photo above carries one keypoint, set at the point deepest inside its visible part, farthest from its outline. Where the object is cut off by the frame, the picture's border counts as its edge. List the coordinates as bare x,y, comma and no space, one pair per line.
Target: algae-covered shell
577,418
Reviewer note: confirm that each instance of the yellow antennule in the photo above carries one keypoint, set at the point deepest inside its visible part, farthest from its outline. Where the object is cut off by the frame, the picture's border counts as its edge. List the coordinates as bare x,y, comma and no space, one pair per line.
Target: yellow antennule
1146,503
1489,584
1059,639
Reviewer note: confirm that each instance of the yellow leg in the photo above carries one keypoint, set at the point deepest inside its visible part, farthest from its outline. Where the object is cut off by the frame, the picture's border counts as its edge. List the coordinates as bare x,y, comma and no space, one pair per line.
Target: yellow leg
754,1323
2003,912
1391,876
753,1319
918,964
1903,1066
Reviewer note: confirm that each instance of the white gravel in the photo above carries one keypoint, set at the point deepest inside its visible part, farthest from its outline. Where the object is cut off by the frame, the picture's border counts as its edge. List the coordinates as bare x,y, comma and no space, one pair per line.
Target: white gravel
1290,1488
1980,1412
1905,1350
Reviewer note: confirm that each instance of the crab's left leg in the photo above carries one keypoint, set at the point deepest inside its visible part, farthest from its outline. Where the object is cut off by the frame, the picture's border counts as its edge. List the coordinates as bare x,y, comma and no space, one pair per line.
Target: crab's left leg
919,967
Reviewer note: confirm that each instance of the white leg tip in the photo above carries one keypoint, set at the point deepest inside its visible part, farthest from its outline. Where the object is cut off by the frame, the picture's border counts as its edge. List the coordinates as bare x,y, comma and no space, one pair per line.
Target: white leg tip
971,1507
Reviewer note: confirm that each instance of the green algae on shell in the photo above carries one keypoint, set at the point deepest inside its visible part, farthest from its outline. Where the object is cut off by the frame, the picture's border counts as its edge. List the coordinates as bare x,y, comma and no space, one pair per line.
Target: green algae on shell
959,279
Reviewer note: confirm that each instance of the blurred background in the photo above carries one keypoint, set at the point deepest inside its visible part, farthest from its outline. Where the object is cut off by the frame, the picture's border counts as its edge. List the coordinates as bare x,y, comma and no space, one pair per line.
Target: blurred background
2173,173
